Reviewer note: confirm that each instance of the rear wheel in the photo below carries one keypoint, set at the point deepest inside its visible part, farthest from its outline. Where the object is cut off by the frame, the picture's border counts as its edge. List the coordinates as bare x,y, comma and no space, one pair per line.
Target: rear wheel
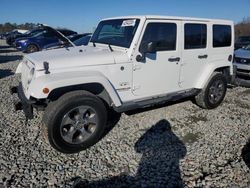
213,93
32,48
75,122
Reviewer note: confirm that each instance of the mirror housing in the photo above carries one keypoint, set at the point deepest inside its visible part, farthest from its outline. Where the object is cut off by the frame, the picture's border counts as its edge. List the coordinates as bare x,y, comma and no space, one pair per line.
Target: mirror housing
150,47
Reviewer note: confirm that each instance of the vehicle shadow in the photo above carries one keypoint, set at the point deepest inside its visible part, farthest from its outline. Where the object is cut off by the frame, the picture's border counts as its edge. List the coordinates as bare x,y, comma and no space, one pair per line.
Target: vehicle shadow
159,166
5,73
8,51
245,153
113,119
5,59
3,47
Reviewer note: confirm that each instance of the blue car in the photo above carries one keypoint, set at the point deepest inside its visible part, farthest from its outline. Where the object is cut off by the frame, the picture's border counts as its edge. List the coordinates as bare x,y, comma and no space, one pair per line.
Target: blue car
38,41
82,41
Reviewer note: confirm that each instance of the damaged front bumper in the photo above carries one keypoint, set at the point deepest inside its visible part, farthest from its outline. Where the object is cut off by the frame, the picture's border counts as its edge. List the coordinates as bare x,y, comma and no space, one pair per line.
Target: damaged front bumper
24,104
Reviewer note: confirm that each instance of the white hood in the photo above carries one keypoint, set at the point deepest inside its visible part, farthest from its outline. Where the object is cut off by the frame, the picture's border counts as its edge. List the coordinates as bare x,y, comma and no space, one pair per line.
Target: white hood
77,57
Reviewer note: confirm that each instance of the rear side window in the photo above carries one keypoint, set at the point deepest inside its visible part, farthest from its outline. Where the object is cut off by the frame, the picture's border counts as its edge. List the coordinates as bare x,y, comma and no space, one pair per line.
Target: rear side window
195,36
222,36
162,33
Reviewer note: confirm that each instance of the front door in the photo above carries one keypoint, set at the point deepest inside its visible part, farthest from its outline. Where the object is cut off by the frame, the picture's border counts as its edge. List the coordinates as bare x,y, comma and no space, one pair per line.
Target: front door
158,72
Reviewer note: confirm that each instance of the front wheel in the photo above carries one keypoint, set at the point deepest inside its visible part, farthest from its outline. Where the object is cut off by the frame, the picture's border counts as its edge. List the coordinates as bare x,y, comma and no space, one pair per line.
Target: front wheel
32,48
75,122
213,93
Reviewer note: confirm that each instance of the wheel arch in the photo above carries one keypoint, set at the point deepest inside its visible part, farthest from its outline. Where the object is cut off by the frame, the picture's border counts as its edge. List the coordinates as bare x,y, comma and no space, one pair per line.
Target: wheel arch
33,43
95,88
206,75
225,71
61,83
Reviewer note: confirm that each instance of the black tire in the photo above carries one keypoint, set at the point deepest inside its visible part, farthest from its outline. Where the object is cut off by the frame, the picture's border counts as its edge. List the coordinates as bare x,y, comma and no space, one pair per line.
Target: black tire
32,48
72,138
207,98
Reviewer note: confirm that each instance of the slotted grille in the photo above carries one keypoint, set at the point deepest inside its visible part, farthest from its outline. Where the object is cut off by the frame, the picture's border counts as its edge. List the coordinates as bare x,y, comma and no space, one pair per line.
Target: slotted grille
242,60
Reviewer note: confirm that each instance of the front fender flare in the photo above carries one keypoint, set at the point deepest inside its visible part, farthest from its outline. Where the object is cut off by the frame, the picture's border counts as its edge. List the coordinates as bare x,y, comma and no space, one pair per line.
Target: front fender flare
59,80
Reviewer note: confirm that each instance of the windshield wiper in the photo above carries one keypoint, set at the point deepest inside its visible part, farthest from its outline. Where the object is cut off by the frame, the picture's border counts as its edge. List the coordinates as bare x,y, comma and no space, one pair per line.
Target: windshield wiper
94,44
111,49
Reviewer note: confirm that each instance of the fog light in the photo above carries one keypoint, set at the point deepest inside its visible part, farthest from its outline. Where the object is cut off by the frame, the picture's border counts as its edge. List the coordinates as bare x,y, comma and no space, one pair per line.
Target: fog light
45,90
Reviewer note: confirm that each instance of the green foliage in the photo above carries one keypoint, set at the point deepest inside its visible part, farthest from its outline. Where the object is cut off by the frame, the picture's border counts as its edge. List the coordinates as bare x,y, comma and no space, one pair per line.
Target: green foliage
7,27
243,28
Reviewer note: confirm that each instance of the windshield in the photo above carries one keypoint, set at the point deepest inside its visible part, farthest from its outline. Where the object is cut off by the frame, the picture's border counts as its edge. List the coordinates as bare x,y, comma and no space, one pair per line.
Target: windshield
247,48
82,41
118,32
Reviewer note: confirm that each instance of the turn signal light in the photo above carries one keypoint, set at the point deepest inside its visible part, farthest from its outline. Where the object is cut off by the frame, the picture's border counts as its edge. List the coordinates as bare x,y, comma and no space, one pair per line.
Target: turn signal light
45,90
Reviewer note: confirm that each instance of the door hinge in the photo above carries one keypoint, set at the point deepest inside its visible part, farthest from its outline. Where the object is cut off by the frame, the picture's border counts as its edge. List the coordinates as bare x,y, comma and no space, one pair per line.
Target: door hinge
136,87
136,67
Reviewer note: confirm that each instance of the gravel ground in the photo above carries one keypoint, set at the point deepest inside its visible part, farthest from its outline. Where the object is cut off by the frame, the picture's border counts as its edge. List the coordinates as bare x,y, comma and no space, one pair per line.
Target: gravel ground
179,145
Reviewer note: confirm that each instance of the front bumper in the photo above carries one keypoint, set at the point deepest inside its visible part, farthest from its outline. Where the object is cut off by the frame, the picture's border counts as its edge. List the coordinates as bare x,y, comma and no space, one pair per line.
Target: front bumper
24,104
242,69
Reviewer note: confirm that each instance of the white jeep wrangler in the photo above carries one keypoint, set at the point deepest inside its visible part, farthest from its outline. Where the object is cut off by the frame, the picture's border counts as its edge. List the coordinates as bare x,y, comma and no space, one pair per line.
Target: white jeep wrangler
131,62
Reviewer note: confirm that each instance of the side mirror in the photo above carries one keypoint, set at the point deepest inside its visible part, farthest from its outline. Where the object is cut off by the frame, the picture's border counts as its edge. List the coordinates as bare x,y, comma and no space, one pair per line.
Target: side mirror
150,47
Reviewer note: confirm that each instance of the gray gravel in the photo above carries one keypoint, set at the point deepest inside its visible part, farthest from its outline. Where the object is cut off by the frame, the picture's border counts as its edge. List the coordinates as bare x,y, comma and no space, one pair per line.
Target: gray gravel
179,145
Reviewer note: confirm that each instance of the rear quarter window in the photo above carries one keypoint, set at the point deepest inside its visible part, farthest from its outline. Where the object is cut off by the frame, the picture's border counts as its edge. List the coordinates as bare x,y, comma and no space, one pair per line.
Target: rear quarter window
222,36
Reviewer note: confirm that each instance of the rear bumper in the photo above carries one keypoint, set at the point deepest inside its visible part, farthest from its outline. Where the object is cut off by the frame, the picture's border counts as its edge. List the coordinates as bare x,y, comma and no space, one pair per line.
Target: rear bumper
23,104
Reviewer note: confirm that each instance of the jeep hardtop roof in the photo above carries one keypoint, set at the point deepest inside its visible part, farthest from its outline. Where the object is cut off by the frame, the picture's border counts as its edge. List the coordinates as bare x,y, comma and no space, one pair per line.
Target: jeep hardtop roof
157,17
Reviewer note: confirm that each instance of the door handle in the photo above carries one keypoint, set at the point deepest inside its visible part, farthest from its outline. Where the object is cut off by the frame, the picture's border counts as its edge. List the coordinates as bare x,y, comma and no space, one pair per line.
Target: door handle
176,59
203,56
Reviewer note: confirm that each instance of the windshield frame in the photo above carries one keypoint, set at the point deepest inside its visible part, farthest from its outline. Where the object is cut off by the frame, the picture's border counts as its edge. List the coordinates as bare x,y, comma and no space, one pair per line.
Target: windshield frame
94,38
247,47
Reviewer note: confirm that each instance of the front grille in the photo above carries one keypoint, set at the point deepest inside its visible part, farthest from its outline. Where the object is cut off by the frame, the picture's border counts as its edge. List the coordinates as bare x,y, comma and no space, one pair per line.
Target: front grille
242,60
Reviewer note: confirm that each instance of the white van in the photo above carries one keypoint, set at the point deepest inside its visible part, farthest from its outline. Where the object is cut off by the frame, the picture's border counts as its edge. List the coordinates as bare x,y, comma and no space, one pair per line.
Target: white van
130,62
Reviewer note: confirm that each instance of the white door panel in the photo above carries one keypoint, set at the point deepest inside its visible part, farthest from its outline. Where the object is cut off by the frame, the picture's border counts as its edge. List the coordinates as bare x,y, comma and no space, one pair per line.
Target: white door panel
195,56
159,73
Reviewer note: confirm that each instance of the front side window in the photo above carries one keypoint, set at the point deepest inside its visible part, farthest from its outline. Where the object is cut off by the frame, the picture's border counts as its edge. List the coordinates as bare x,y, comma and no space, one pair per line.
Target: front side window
164,34
48,34
222,36
195,36
118,32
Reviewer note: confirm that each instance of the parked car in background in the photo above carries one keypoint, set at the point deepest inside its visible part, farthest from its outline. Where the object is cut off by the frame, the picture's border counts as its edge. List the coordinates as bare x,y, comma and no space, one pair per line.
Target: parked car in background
83,41
242,62
38,41
242,42
77,36
4,35
11,36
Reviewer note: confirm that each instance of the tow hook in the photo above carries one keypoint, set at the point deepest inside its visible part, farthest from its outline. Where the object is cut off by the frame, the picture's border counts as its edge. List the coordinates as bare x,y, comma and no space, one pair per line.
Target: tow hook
18,106
13,90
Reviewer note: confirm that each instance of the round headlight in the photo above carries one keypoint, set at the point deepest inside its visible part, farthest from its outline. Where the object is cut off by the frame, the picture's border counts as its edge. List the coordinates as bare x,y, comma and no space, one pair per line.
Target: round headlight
31,74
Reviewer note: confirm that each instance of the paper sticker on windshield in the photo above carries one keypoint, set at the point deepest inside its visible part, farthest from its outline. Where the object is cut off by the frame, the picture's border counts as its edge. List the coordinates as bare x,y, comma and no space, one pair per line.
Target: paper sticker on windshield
128,23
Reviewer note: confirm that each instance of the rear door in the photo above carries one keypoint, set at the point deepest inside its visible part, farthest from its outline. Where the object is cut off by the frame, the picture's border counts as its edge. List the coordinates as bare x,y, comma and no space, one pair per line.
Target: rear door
195,54
159,72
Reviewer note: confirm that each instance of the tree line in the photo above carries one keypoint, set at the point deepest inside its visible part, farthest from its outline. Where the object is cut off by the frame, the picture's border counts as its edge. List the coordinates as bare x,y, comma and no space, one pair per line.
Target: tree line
7,27
243,27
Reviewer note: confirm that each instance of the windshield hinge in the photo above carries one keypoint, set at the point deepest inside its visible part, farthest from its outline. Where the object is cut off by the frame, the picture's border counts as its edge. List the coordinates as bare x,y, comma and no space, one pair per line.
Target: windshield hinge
46,67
